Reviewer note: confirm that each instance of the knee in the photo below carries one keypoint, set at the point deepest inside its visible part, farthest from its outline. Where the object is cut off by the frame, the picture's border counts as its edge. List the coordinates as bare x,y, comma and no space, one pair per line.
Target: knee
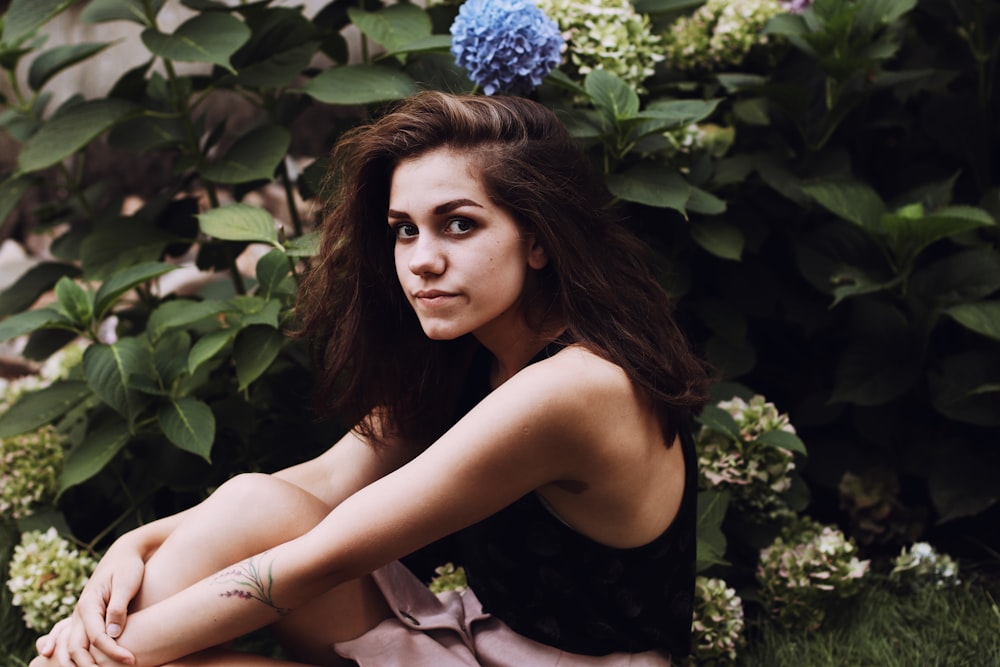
269,496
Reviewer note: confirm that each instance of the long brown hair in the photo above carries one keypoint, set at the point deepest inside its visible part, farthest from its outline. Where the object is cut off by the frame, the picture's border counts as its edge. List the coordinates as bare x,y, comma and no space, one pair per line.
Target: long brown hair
370,349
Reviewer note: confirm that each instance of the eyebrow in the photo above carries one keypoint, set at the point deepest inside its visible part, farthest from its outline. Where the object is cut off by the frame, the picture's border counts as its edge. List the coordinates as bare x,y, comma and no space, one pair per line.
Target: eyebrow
440,209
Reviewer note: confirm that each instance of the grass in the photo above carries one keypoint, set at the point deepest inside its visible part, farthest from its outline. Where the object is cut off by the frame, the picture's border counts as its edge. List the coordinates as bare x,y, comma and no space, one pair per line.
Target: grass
959,627
881,628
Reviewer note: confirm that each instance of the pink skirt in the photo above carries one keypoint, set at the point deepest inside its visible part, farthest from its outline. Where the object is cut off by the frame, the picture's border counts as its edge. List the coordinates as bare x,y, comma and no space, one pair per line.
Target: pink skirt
451,630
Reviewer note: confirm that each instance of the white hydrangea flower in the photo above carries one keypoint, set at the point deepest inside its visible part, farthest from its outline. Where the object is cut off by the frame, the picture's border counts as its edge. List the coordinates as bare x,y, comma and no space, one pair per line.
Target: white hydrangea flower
719,34
47,575
755,473
29,471
717,628
920,565
608,35
808,567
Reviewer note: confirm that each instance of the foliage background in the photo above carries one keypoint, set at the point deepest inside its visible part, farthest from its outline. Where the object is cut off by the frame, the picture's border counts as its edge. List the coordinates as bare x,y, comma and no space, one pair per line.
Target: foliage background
831,237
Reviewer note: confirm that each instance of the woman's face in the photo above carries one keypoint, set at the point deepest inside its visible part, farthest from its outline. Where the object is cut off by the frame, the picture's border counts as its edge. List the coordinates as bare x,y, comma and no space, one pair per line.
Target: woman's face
462,261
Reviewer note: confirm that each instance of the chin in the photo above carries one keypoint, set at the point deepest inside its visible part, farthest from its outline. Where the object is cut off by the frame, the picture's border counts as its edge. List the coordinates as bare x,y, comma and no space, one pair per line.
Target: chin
443,333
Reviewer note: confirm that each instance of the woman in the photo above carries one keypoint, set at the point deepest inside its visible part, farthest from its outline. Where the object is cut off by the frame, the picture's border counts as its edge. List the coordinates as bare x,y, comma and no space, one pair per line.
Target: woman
519,385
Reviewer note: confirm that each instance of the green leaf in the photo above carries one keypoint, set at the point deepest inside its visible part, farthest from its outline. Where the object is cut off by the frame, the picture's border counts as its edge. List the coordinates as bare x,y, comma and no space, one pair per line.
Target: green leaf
117,245
782,439
247,310
239,222
213,38
701,201
90,456
53,61
125,280
964,387
873,372
207,347
852,201
70,130
45,406
982,317
851,281
189,424
719,238
711,541
255,349
272,269
652,185
719,420
359,84
29,321
11,191
23,17
75,301
306,245
33,283
278,69
181,313
673,114
965,276
102,11
910,235
107,369
253,157
392,26
428,44
611,95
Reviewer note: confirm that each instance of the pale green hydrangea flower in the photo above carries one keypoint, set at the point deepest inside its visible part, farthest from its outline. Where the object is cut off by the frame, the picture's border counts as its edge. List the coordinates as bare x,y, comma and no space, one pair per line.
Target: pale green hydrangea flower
808,567
449,578
920,566
755,473
719,34
47,575
608,35
717,630
29,471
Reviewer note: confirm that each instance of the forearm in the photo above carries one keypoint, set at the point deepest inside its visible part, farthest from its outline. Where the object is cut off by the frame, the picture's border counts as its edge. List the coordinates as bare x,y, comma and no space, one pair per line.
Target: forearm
249,595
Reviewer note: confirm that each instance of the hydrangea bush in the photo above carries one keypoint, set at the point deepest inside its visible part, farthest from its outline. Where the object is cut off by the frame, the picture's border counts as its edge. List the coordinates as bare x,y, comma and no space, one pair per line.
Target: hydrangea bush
29,471
806,569
47,575
921,566
754,470
506,46
717,630
719,34
609,35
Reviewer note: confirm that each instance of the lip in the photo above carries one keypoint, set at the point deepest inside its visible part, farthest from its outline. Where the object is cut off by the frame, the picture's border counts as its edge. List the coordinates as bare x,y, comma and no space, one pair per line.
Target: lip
429,298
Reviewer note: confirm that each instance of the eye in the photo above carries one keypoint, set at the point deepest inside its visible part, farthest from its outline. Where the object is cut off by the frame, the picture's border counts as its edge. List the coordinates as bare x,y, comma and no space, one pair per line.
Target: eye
460,226
405,230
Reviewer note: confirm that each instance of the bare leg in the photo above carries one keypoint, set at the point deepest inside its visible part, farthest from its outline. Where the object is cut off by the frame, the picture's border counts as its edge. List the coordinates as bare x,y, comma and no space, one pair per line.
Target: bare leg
246,515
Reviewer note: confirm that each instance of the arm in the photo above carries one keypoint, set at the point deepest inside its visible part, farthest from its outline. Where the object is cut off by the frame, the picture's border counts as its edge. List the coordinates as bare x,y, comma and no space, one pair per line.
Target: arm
101,612
523,436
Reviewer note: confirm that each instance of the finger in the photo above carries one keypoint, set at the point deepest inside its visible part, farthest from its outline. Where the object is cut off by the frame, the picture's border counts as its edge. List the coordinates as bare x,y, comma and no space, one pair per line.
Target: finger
91,613
113,650
82,658
124,589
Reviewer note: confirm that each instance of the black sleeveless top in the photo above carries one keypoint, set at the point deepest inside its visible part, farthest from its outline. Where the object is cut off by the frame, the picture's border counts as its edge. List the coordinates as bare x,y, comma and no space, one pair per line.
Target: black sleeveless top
556,586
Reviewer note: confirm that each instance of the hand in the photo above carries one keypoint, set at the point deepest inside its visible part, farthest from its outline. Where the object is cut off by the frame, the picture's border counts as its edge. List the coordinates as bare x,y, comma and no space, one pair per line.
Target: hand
100,614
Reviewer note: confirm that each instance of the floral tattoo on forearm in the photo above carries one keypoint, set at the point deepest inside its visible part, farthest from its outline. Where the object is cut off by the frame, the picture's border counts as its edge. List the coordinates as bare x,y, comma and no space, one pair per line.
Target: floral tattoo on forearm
249,582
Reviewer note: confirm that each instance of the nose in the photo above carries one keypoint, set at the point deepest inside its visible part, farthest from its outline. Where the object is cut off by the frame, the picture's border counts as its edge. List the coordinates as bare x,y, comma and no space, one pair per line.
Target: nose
426,256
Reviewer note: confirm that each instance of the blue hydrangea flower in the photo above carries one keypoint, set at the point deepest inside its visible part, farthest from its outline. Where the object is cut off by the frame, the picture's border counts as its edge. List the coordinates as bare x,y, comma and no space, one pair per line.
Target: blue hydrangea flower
506,46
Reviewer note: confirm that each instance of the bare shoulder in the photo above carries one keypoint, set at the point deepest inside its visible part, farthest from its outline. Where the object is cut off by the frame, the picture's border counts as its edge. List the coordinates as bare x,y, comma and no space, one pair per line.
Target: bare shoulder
577,379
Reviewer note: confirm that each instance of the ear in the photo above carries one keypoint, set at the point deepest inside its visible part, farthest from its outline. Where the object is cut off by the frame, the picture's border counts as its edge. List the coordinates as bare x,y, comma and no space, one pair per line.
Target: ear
537,257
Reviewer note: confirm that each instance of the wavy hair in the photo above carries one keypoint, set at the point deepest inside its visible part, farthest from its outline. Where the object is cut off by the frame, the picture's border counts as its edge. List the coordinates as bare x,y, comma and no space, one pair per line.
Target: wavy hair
370,351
